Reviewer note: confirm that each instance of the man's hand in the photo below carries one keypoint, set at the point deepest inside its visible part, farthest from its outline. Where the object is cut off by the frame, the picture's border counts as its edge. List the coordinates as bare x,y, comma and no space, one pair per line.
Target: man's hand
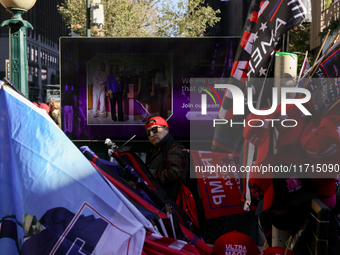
111,96
152,93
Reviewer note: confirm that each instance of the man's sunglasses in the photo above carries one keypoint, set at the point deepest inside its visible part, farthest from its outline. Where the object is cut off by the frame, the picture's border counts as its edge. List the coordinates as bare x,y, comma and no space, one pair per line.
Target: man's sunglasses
154,130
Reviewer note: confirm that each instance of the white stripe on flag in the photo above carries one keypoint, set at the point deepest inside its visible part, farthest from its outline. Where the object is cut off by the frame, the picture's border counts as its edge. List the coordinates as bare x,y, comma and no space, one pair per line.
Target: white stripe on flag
178,245
154,236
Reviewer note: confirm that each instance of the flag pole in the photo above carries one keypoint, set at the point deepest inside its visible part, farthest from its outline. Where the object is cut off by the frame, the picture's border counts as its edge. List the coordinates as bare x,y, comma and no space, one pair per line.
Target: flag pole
155,226
312,69
168,211
323,56
162,224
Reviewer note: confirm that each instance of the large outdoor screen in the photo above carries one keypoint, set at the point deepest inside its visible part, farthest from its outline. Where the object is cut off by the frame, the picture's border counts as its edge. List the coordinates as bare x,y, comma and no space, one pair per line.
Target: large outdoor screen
153,75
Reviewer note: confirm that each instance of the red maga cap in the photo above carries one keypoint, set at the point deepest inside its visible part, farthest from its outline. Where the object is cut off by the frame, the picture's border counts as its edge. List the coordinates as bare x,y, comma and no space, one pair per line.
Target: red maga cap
326,189
289,133
291,154
156,121
321,143
258,133
261,185
235,243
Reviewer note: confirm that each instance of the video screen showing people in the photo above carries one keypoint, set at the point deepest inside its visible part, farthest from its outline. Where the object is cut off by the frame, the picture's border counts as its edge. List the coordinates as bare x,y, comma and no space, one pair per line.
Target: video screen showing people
110,86
125,89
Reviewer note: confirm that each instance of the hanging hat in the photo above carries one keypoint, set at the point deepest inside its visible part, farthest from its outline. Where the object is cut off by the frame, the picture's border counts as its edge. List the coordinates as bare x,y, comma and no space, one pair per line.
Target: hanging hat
291,154
321,144
261,185
290,125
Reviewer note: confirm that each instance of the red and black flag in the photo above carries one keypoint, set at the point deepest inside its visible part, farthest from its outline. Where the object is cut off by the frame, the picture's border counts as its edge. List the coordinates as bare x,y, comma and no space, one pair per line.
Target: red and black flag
267,21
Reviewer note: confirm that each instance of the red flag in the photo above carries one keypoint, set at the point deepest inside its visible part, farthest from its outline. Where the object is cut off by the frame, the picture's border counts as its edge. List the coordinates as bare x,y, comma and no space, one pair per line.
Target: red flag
156,244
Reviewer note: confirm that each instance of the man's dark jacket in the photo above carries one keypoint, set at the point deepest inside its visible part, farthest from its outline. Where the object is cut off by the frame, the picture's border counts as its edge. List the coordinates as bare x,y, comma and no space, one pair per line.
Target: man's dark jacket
156,158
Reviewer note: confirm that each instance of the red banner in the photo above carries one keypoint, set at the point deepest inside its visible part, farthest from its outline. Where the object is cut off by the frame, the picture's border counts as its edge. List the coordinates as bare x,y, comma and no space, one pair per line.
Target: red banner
219,182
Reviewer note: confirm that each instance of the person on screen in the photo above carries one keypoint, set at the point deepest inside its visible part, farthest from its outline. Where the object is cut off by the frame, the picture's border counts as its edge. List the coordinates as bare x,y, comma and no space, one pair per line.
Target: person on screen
79,119
99,84
162,82
166,158
125,73
115,88
146,86
134,79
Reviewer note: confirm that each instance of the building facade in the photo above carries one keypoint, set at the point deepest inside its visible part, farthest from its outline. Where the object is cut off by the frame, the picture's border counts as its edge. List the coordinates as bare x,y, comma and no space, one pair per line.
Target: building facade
42,46
323,15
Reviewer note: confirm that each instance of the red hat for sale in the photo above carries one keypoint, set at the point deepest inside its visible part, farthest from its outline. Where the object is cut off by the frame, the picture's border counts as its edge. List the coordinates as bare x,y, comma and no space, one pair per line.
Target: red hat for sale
291,154
326,189
286,192
321,143
261,185
45,107
156,121
257,132
276,251
36,104
235,243
290,125
292,191
330,202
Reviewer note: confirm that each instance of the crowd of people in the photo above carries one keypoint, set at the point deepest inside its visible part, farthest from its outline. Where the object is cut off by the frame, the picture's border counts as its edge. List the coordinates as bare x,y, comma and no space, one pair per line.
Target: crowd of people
148,84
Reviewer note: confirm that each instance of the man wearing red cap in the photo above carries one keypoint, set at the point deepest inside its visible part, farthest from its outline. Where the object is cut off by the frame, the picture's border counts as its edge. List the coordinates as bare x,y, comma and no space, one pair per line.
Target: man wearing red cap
167,161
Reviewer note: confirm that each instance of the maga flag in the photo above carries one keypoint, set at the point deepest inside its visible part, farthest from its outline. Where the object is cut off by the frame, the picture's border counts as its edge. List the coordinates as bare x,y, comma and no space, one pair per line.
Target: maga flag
55,200
267,21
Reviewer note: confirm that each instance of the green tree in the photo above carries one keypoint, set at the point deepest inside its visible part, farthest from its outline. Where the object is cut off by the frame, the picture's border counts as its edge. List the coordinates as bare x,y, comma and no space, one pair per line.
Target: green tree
142,18
299,41
189,19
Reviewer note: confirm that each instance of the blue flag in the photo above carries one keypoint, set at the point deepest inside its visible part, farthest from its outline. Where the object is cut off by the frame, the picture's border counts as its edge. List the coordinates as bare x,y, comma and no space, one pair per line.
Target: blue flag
52,200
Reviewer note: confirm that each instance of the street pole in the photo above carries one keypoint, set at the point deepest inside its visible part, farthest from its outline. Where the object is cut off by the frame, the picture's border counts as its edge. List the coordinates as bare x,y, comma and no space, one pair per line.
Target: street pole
18,49
88,20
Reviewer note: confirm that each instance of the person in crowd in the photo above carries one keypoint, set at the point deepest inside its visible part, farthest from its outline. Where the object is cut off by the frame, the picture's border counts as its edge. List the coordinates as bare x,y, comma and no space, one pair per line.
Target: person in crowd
134,79
99,83
166,158
55,112
162,82
115,88
44,106
146,86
